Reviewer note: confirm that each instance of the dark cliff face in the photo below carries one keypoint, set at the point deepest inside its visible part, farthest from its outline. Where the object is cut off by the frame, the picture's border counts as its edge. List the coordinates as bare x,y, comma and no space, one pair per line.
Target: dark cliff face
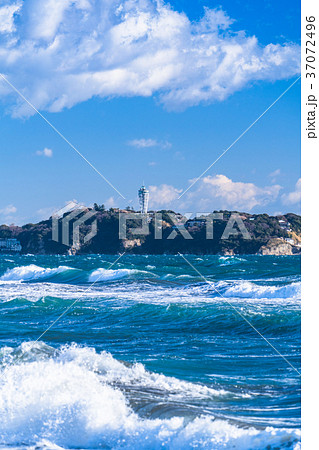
262,229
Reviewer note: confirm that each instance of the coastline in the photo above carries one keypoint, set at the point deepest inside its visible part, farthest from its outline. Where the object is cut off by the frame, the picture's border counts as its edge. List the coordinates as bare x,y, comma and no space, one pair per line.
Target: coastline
263,234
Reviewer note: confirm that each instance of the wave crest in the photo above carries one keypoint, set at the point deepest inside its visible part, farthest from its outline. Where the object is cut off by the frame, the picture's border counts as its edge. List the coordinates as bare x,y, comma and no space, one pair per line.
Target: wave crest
64,274
247,289
32,273
110,274
66,398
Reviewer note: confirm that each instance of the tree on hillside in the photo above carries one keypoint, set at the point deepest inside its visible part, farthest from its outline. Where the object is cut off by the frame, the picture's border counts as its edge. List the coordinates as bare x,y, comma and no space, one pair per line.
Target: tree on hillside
99,208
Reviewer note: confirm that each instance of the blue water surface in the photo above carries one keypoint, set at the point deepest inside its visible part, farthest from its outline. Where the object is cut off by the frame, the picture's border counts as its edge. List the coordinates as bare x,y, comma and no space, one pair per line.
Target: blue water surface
150,353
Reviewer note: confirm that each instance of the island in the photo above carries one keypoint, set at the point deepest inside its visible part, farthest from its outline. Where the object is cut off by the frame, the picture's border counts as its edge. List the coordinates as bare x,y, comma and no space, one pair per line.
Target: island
268,235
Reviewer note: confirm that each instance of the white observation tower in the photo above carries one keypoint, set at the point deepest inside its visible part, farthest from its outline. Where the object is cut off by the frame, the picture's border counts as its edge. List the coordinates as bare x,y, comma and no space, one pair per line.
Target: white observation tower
143,196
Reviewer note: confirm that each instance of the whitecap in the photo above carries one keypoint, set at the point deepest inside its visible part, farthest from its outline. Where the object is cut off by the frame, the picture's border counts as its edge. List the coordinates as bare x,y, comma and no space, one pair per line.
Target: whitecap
110,274
32,273
72,398
247,289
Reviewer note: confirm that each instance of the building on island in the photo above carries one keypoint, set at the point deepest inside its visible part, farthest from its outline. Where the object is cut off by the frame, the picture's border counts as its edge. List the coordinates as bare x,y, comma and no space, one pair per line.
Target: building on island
10,246
195,223
143,196
285,225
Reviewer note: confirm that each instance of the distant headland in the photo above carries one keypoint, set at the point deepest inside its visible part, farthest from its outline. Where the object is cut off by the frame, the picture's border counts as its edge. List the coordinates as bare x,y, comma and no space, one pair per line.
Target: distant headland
267,235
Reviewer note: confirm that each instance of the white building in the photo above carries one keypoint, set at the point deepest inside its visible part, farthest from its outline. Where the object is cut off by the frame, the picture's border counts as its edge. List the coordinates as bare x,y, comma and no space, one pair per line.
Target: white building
284,225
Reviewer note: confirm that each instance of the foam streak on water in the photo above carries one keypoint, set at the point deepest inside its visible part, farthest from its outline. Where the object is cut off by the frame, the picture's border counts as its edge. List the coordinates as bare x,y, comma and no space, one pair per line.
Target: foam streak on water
150,357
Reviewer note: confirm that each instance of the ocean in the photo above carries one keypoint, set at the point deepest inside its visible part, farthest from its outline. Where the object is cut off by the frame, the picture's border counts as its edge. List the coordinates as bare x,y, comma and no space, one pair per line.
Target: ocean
151,356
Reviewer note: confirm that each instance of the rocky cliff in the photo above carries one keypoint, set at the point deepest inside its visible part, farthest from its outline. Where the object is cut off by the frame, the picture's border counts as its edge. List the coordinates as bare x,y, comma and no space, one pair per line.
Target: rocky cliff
279,247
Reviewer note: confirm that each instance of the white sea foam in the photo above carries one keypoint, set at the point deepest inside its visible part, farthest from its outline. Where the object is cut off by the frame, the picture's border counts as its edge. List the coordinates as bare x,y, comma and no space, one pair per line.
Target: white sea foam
66,282
32,273
36,273
114,371
110,274
67,399
247,289
190,295
229,260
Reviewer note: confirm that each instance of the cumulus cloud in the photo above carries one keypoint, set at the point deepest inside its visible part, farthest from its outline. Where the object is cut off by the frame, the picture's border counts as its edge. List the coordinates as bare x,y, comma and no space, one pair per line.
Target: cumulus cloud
163,195
47,152
215,192
294,196
7,16
8,210
61,52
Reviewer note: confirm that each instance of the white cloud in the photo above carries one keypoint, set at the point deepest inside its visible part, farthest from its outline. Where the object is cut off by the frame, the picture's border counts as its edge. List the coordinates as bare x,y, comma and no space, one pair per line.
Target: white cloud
69,205
142,143
45,213
222,191
8,210
294,196
110,203
7,16
275,173
214,192
61,52
163,195
165,144
45,152
146,143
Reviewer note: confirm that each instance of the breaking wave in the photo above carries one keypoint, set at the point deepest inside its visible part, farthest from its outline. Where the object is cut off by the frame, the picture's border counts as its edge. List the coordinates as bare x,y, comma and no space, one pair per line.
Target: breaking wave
75,397
247,289
229,260
33,273
64,274
109,274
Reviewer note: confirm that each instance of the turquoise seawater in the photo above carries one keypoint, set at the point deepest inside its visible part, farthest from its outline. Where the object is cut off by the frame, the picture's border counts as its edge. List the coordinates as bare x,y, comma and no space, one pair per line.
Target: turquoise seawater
150,356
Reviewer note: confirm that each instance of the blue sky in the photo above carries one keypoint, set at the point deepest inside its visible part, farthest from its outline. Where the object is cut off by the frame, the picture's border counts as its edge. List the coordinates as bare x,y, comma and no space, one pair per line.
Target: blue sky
146,93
